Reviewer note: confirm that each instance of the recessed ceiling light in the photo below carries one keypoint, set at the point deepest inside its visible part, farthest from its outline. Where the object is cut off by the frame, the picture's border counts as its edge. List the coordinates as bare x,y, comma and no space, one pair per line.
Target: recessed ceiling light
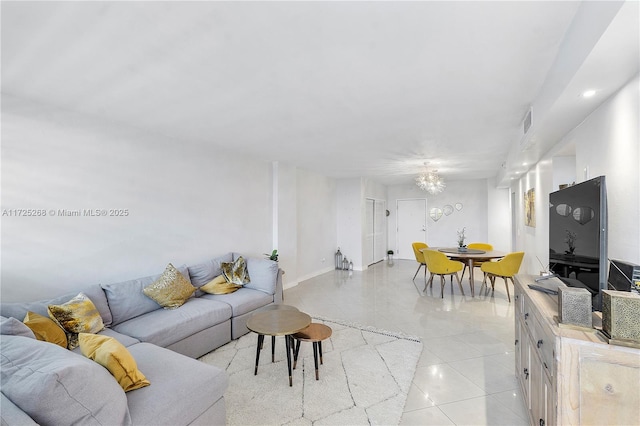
588,93
524,164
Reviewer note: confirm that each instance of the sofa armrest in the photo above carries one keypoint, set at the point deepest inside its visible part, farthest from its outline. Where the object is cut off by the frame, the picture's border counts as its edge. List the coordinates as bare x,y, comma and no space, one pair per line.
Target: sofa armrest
278,296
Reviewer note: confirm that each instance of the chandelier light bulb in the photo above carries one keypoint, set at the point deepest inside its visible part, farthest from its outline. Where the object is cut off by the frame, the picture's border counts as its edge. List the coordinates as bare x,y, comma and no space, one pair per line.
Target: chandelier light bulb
430,181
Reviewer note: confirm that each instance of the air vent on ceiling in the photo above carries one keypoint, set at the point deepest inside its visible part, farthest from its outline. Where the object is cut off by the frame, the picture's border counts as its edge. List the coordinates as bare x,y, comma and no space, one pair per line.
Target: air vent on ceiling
526,125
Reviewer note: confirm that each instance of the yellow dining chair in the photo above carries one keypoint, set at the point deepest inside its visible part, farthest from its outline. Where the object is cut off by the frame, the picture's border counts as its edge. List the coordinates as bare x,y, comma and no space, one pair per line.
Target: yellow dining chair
439,264
477,246
506,267
417,246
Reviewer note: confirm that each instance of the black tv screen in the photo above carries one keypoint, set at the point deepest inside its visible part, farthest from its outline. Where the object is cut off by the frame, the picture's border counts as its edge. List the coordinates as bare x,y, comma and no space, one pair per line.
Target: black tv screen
578,236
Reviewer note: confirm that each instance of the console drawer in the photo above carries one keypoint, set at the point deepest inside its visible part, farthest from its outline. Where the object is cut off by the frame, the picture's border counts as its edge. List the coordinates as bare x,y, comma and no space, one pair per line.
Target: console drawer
545,345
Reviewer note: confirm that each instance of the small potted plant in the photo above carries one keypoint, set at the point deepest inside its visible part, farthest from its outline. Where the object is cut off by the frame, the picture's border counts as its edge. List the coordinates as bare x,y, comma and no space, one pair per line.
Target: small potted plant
273,256
461,237
390,254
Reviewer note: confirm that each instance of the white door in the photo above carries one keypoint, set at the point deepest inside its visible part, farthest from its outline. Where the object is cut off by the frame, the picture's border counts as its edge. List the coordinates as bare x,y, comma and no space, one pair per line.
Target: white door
411,226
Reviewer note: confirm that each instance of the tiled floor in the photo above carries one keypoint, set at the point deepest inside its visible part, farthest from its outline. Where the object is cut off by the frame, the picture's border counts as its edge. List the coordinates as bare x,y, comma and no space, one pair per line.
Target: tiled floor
465,375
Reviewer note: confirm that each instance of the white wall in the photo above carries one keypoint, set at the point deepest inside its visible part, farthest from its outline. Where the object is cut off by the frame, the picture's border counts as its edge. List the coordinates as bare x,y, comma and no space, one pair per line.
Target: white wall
606,143
473,194
184,204
564,171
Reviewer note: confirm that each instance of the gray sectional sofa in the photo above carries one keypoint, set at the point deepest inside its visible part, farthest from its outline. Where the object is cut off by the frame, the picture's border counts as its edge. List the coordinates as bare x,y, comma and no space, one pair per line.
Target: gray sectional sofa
46,384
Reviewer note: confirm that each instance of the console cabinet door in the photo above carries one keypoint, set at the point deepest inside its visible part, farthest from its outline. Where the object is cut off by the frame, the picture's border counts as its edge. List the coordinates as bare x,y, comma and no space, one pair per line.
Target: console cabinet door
524,374
538,399
550,403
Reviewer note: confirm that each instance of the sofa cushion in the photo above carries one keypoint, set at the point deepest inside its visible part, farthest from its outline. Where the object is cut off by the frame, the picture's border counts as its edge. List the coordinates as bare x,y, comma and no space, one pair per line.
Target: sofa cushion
126,299
46,329
171,289
175,380
58,387
11,414
220,285
113,356
122,338
242,301
203,273
99,299
164,327
264,273
15,327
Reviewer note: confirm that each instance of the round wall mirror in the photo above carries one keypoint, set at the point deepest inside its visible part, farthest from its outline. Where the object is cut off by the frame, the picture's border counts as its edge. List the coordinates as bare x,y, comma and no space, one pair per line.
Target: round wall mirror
563,209
583,215
458,206
447,210
435,214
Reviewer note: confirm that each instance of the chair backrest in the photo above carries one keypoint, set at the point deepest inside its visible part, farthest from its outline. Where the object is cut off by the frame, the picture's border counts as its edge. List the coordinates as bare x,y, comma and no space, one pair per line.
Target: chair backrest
480,246
438,263
417,246
510,264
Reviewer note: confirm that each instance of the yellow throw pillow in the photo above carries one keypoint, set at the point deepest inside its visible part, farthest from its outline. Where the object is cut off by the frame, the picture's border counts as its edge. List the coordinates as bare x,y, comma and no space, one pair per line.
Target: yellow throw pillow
113,356
171,290
45,329
236,272
219,285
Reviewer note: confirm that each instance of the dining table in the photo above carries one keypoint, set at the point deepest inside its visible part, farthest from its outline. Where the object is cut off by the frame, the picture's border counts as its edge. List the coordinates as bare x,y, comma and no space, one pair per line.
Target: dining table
469,257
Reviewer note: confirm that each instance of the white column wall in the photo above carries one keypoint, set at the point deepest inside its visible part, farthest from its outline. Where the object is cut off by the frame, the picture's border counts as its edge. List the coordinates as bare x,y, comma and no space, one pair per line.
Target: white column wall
316,224
350,220
288,223
498,216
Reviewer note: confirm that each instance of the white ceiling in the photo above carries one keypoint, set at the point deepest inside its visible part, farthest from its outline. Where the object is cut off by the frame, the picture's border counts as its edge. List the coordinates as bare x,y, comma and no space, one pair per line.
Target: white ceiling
346,89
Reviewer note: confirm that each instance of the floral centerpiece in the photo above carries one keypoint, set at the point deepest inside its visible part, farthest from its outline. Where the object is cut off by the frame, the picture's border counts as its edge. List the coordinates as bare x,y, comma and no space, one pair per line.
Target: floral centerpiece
461,237
570,239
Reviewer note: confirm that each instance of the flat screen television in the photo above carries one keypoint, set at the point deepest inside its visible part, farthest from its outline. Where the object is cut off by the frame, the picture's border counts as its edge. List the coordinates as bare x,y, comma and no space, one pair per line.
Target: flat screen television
578,236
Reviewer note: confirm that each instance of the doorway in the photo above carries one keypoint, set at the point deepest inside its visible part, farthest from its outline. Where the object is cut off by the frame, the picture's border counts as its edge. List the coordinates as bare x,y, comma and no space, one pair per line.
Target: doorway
411,226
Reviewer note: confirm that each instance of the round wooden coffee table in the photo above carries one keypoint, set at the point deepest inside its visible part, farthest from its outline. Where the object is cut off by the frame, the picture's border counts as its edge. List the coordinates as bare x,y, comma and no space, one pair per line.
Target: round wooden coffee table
315,333
273,338
278,322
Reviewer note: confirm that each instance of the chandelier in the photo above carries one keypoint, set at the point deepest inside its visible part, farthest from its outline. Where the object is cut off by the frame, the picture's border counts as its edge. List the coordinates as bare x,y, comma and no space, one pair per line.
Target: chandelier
430,181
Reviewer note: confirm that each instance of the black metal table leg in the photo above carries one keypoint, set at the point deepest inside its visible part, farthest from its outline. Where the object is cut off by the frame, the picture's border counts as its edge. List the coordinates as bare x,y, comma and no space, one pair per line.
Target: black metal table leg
273,348
295,353
287,340
260,341
315,358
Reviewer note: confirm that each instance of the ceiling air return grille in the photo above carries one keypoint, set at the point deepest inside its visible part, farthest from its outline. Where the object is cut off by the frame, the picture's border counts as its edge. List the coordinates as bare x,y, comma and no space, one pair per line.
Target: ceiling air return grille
526,125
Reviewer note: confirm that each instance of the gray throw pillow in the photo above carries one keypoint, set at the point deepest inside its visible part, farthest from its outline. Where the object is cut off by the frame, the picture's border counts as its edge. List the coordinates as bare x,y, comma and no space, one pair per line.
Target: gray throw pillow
58,387
264,273
15,327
